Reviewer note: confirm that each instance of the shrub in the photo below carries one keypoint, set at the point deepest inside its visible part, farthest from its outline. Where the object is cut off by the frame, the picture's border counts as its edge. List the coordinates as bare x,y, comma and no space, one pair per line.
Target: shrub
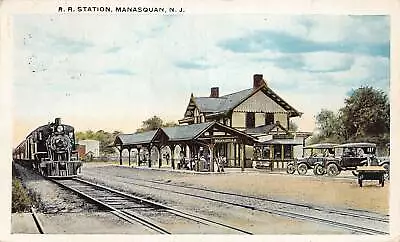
21,201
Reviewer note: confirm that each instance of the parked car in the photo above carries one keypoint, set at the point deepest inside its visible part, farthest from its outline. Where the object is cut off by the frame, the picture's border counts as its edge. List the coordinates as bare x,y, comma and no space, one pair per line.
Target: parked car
348,157
314,153
384,161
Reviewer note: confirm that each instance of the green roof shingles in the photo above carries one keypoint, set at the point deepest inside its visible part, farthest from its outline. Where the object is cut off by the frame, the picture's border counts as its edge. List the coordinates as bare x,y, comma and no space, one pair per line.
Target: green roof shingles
223,103
177,133
129,139
186,132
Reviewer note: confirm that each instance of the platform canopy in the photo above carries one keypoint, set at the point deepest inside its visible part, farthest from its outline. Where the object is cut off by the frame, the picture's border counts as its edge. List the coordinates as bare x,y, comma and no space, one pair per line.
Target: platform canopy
129,141
282,142
321,146
201,134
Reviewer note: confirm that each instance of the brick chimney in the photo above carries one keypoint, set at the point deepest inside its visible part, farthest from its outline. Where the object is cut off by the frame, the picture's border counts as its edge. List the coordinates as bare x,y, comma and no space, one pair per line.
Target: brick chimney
214,92
258,81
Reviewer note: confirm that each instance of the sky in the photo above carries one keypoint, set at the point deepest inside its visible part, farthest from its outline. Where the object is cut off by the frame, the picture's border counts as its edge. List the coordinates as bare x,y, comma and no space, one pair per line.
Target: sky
111,73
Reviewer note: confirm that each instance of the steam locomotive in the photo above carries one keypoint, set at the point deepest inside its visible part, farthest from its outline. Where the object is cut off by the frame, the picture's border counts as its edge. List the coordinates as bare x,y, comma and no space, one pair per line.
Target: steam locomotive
50,150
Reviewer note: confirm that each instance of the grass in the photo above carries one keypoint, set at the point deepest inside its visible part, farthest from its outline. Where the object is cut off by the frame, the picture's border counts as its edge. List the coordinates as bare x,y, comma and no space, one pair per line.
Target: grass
21,202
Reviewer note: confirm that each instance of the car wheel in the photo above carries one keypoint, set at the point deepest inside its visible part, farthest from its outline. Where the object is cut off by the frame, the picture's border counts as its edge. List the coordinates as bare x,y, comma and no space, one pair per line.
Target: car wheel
386,166
302,169
332,170
290,169
319,170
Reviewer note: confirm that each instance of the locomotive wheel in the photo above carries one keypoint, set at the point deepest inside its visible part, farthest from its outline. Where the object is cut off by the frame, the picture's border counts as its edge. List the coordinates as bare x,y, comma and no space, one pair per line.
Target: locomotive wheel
290,169
302,169
319,170
332,170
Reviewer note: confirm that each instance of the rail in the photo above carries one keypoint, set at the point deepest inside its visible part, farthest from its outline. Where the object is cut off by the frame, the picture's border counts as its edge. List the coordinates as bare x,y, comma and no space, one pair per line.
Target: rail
356,221
38,224
121,201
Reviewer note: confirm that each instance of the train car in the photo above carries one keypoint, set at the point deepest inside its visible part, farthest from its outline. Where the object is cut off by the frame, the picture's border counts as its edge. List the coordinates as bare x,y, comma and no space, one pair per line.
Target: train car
50,150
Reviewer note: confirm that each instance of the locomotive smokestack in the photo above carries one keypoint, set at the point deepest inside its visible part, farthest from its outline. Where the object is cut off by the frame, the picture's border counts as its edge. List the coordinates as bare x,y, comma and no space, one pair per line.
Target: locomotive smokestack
58,121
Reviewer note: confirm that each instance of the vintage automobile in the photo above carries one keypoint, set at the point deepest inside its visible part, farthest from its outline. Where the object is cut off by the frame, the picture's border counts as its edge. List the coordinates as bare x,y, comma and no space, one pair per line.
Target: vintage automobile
348,157
312,154
384,161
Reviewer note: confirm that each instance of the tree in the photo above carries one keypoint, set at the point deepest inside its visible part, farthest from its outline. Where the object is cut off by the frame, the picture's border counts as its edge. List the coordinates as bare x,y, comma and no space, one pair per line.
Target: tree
364,118
329,127
327,123
154,123
366,113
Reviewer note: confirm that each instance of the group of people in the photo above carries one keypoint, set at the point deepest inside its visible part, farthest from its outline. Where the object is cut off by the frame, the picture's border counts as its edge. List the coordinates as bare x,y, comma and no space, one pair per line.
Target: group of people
202,163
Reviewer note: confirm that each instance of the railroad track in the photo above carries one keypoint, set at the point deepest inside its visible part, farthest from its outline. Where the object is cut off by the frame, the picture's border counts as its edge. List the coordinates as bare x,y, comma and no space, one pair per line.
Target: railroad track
360,222
136,209
38,224
353,213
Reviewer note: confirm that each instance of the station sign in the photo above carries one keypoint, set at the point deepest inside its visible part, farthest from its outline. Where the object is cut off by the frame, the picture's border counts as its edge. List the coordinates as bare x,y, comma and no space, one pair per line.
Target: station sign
225,140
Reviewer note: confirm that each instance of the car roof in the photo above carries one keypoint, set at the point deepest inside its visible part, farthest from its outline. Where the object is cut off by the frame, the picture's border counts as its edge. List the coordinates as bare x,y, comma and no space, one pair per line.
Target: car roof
320,146
356,145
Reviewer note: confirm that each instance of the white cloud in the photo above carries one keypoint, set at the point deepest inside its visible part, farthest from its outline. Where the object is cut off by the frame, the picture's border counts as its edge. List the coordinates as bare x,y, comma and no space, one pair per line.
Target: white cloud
126,67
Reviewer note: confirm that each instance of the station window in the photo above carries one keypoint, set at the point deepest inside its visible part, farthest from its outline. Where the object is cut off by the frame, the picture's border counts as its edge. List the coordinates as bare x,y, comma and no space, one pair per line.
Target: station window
277,152
288,151
269,118
250,120
266,153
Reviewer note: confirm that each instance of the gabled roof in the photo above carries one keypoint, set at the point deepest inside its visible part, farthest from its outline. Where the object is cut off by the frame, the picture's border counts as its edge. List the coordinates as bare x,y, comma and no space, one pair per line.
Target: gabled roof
209,104
320,146
265,129
186,132
226,103
283,142
139,138
221,104
193,132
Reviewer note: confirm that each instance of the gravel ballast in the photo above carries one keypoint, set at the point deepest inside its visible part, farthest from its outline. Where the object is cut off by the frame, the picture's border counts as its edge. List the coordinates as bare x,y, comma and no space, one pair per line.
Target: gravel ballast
233,182
63,212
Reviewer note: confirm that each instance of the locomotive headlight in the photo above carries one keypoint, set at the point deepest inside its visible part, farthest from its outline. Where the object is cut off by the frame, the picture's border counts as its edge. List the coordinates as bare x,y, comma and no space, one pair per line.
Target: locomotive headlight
60,128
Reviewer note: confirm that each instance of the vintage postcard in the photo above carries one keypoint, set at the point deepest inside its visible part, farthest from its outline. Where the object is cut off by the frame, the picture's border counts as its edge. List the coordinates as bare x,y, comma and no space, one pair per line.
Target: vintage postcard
166,118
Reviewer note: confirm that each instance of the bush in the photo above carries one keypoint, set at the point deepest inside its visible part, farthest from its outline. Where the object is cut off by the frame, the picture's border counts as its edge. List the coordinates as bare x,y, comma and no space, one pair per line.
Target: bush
21,201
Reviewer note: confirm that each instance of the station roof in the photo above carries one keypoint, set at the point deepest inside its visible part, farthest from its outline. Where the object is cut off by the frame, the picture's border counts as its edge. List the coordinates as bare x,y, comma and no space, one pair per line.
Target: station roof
222,105
283,142
186,132
265,128
138,138
201,132
320,146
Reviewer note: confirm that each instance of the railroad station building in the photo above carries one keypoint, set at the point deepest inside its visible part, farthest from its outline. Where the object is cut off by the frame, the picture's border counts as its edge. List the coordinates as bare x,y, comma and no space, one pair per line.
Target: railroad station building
251,124
257,111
